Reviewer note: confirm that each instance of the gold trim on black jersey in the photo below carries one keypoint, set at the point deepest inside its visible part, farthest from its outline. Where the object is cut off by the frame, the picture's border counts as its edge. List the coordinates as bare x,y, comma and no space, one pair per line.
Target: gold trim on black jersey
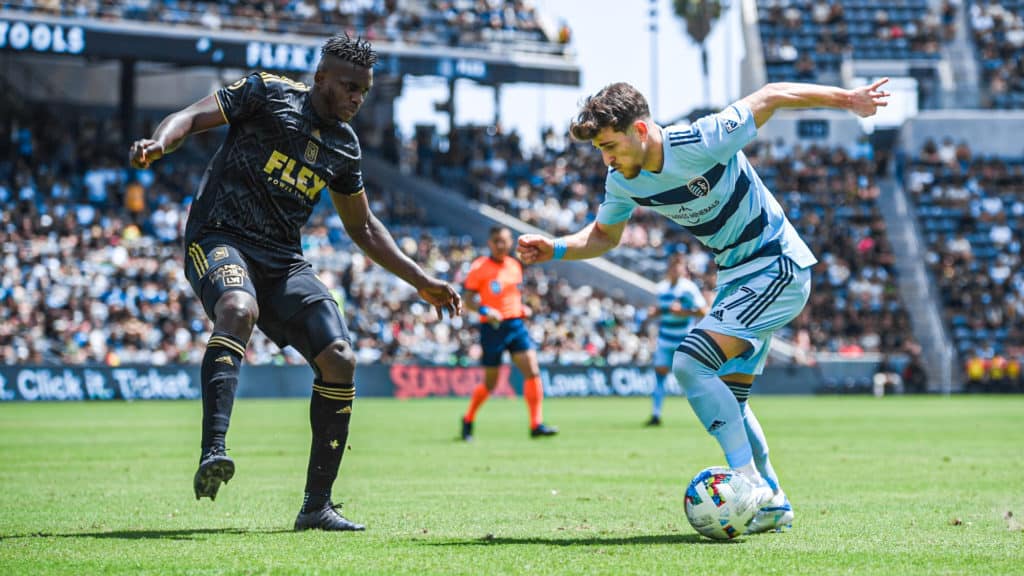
220,106
199,261
268,77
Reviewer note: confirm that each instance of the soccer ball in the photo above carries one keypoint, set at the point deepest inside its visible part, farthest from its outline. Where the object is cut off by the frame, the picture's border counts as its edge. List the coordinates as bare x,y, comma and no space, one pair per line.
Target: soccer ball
720,503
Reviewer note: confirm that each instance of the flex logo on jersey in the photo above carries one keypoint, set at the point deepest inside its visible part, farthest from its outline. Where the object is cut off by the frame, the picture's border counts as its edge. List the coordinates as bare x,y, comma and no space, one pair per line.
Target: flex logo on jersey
281,171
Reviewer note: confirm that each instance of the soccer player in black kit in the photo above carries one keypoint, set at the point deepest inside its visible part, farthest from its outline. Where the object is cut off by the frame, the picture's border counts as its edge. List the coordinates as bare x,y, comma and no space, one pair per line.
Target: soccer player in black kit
286,145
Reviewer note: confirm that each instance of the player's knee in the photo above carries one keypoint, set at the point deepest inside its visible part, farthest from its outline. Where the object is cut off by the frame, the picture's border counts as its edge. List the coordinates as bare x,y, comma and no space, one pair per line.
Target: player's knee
686,368
697,357
237,313
338,359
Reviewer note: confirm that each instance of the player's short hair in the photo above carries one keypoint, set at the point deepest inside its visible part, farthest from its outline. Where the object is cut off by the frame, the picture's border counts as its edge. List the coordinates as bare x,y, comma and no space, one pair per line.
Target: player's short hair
354,50
616,105
497,230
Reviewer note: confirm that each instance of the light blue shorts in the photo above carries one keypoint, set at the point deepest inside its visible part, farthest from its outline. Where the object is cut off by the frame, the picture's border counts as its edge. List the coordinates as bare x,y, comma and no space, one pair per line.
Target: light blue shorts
755,306
663,356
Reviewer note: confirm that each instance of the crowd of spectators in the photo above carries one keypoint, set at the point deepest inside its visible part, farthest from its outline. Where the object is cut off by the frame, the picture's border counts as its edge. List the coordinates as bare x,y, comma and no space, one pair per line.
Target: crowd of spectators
830,195
805,38
971,210
998,30
429,22
92,266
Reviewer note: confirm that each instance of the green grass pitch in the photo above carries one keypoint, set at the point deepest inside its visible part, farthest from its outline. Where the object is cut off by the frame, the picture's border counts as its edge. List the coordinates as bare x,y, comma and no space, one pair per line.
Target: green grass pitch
886,486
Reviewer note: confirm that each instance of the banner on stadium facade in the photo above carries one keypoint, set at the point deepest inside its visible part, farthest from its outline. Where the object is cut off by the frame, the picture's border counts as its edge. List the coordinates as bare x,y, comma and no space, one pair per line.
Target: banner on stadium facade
35,383
402,381
35,34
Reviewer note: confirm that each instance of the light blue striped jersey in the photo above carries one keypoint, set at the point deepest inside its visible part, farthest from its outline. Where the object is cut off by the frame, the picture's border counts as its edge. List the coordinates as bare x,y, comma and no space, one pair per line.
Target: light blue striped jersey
707,186
671,328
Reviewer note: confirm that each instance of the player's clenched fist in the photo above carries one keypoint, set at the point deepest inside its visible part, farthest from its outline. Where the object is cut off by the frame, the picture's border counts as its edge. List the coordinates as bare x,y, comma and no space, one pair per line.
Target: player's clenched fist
144,152
534,248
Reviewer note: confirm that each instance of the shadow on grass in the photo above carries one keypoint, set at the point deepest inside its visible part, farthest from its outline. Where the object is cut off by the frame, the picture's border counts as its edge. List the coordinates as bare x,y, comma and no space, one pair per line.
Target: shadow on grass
586,540
144,534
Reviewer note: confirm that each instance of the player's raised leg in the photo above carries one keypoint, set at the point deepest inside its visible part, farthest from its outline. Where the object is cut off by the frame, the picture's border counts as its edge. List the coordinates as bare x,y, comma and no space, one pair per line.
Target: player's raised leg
229,298
319,332
480,395
533,389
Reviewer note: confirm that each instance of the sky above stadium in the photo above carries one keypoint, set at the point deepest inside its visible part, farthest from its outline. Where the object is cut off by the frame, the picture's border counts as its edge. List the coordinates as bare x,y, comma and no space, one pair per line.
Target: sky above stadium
611,46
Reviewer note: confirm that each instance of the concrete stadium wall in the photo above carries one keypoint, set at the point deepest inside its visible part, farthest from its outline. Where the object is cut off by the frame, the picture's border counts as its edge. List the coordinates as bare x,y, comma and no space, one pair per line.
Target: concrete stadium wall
843,128
79,383
987,132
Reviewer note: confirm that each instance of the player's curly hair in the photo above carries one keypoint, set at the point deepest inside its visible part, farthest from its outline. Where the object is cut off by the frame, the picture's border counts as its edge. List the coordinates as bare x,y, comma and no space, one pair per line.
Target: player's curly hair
617,105
354,50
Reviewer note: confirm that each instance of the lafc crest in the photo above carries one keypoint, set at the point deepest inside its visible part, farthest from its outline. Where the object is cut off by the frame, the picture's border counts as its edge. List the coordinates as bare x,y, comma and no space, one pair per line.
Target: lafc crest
311,152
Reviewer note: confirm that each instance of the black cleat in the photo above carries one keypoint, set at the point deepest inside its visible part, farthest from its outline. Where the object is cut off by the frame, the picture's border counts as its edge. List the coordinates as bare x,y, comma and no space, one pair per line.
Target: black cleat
467,430
326,518
214,467
654,421
543,430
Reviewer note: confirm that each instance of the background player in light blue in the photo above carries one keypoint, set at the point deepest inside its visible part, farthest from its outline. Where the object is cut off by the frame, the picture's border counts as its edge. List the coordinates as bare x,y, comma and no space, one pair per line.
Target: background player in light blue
698,177
680,304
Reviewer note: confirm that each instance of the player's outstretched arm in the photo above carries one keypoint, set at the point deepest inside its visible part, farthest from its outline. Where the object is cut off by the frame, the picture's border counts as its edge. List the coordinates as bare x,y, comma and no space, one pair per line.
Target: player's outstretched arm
863,101
592,241
374,239
172,131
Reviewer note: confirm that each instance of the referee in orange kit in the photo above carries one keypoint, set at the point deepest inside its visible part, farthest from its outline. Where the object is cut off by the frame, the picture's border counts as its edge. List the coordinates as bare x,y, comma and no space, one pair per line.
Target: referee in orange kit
496,282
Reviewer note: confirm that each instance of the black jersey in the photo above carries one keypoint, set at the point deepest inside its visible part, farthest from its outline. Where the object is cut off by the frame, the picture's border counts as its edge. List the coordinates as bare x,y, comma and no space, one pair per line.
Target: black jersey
278,157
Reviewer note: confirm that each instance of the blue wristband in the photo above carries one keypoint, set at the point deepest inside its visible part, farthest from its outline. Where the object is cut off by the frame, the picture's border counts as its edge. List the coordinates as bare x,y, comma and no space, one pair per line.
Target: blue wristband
560,249
483,310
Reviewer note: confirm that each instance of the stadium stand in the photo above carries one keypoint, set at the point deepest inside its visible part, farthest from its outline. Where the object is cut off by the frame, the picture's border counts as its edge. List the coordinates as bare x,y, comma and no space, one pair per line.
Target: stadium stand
125,300
969,208
829,194
464,23
998,32
802,39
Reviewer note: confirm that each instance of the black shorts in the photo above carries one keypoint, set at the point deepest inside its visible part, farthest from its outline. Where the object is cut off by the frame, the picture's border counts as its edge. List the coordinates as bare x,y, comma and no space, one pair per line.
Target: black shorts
295,308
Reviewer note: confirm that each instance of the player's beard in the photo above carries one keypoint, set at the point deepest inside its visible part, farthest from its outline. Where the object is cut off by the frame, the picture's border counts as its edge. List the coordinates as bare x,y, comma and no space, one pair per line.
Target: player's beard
631,173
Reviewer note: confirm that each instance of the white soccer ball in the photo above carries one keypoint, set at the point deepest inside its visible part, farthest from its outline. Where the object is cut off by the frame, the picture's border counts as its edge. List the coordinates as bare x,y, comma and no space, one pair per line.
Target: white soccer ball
720,503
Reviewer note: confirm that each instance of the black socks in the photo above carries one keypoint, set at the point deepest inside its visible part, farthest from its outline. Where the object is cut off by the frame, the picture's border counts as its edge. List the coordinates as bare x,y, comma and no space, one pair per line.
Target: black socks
330,410
219,375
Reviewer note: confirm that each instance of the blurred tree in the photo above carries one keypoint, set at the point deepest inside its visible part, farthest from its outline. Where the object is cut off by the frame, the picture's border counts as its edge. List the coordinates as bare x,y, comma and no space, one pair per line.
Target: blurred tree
700,16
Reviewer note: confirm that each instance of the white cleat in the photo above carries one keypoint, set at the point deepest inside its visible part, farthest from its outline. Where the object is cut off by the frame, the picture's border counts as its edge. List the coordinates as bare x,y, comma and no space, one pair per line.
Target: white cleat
775,515
763,494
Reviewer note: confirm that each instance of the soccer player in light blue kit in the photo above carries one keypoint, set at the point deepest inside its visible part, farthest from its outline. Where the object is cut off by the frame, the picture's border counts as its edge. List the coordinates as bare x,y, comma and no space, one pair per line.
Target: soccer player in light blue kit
698,177
680,303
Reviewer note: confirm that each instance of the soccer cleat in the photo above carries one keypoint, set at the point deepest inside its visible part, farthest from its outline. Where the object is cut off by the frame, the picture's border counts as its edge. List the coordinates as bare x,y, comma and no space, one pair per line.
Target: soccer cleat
763,494
467,430
215,467
654,421
326,518
778,514
543,430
